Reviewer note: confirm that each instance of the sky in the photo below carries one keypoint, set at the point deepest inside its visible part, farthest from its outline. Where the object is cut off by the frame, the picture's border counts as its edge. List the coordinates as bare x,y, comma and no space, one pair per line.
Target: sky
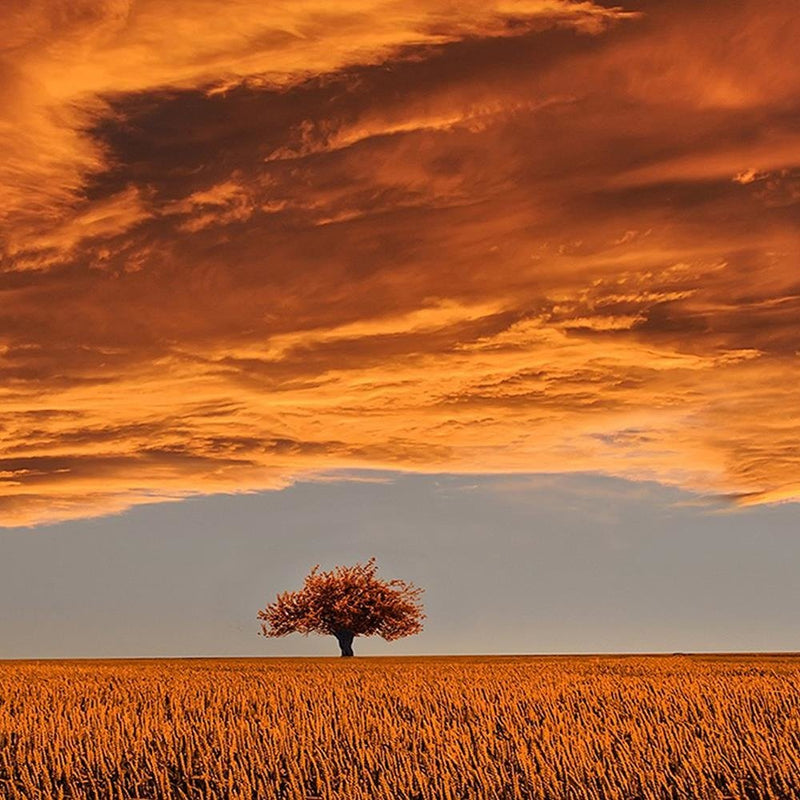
251,253
509,564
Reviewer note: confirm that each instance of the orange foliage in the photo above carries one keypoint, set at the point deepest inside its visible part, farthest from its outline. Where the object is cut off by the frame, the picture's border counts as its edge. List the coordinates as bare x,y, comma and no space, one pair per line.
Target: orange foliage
346,602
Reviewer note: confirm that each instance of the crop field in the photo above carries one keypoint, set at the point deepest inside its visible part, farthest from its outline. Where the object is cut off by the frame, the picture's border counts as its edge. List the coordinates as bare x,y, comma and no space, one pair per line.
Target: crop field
435,728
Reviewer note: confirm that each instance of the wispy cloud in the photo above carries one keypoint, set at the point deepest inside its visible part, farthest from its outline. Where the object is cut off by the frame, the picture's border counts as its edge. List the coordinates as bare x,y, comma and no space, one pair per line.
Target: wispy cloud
529,236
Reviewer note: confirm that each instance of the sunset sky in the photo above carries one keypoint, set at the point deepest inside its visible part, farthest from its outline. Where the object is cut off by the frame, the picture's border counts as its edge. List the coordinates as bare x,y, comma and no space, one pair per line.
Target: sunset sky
370,246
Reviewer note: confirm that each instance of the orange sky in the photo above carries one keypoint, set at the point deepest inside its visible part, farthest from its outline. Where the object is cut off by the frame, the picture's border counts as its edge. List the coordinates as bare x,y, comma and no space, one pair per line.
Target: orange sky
243,242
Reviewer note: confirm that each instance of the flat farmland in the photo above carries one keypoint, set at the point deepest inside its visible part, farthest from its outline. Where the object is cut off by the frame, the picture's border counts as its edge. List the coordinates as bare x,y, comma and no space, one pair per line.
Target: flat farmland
431,728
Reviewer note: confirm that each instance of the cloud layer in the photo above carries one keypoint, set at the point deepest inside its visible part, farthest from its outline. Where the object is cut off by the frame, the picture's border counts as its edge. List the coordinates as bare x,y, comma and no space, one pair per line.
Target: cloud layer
242,243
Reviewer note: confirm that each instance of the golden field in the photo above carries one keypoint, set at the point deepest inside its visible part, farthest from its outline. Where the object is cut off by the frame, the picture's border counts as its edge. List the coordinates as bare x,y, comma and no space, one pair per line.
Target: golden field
434,728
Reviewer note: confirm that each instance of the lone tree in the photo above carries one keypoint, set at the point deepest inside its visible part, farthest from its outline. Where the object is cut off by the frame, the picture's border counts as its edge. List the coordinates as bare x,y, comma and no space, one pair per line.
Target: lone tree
346,602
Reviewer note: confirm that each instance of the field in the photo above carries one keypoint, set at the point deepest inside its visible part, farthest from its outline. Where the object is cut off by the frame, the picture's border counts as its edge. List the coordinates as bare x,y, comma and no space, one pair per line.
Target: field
433,728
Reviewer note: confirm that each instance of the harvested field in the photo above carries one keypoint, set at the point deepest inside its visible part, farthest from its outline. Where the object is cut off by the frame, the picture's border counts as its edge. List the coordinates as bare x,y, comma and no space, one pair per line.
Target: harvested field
435,728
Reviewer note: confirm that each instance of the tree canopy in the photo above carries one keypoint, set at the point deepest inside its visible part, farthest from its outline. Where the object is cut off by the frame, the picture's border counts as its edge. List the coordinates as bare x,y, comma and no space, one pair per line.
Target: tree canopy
346,602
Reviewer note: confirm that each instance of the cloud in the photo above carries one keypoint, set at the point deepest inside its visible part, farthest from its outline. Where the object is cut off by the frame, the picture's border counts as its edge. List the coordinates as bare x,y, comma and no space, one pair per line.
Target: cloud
534,237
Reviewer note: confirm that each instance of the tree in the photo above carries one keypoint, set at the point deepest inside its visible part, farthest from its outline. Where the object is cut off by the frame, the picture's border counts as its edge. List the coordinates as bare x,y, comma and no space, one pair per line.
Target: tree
345,603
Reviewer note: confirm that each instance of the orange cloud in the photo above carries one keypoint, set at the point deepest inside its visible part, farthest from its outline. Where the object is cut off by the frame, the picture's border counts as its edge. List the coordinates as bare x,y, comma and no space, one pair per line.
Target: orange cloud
530,236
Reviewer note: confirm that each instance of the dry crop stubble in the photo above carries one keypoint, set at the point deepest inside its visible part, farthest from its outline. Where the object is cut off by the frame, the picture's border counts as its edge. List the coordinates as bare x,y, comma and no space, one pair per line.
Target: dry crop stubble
463,727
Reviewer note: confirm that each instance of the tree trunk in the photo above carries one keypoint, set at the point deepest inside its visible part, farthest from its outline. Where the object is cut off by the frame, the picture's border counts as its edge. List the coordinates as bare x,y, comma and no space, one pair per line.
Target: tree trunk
345,639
